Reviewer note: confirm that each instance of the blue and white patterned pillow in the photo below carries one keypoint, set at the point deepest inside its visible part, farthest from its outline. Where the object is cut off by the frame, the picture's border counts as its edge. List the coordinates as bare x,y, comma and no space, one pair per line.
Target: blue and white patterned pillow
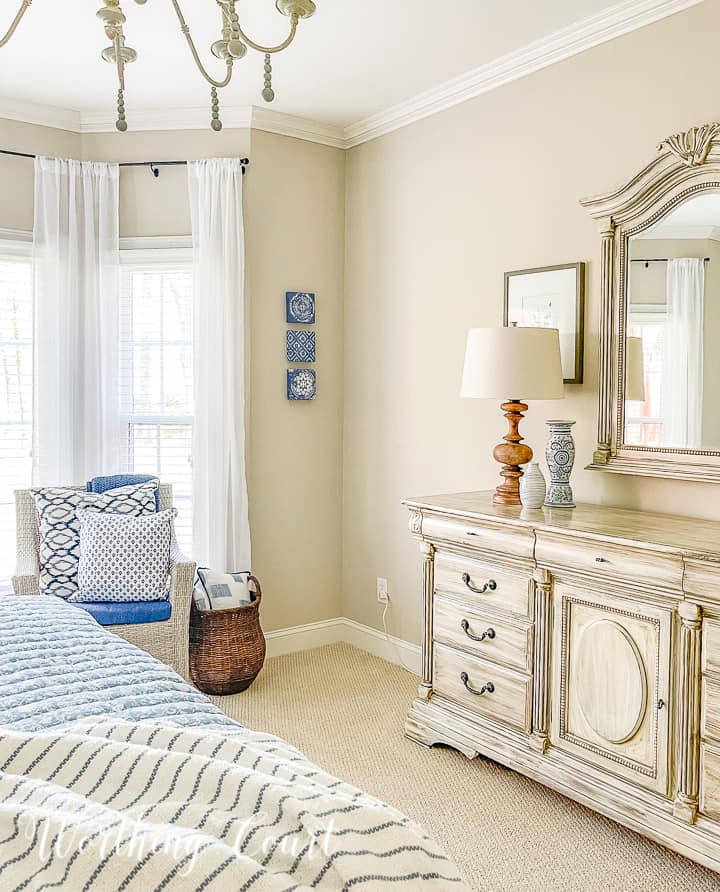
124,558
224,590
59,527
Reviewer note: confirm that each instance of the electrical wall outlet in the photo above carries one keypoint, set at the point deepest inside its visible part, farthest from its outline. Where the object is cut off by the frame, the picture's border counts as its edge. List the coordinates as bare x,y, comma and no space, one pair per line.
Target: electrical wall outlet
382,590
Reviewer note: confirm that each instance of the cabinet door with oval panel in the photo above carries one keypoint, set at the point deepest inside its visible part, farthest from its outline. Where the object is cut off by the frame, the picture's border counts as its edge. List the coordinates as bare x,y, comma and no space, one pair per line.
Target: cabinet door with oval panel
611,684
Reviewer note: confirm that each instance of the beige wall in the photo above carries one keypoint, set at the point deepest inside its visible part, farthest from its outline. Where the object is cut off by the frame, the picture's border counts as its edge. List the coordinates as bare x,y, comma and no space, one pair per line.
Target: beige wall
17,181
648,284
436,213
294,216
159,206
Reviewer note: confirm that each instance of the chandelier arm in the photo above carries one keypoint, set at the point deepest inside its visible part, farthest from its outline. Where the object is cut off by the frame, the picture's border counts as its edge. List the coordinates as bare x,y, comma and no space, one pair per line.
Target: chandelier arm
251,43
271,49
15,22
191,43
119,63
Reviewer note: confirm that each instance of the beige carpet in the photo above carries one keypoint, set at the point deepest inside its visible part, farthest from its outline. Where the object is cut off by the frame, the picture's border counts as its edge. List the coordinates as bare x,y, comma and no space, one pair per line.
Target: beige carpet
345,709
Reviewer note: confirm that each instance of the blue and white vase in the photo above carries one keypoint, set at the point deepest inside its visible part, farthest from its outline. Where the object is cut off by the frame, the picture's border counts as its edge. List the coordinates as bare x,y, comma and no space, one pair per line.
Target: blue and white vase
560,455
532,487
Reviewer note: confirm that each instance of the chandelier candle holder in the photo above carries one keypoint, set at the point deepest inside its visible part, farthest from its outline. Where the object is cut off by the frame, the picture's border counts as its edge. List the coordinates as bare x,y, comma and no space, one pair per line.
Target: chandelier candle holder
230,48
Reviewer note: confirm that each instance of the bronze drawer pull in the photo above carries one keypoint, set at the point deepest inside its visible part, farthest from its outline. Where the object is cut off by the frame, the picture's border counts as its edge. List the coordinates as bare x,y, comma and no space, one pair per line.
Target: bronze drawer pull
488,633
490,585
487,688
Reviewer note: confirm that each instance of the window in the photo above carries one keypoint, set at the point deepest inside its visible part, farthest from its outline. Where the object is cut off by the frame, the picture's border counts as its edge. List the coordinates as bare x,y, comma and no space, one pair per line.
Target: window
644,421
156,371
156,383
16,398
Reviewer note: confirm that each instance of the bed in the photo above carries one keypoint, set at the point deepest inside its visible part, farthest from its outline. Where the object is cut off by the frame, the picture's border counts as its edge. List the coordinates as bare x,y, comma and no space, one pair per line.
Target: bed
115,774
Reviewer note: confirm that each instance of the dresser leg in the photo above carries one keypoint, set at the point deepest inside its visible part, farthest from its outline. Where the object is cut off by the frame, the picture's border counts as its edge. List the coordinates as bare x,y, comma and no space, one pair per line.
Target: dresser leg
419,729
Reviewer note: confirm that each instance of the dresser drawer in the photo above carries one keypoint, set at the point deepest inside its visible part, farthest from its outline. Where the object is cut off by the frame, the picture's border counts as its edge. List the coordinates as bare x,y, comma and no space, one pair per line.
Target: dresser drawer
710,709
652,569
711,646
507,696
507,643
504,539
710,781
484,585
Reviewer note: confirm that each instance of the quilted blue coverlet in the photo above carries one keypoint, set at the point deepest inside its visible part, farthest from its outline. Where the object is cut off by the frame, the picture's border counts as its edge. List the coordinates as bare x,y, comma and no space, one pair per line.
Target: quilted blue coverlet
58,666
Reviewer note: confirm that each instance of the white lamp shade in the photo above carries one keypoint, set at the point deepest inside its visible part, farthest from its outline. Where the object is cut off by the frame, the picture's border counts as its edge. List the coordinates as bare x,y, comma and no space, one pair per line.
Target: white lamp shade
635,370
513,363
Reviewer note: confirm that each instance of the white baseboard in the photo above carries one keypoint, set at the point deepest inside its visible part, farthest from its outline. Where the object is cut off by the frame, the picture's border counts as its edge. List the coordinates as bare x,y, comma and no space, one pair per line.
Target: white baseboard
295,638
394,650
342,629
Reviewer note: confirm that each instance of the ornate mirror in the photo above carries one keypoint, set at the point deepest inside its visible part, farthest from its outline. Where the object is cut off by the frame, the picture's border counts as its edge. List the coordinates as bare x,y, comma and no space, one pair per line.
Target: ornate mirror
659,412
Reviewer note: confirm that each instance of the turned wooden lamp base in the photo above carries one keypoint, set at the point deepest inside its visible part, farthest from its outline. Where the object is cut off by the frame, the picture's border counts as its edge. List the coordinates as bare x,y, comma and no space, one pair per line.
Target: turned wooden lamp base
511,454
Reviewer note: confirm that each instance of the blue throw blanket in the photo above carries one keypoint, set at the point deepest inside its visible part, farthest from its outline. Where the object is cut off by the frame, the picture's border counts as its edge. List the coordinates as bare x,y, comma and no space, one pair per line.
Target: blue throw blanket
58,666
103,484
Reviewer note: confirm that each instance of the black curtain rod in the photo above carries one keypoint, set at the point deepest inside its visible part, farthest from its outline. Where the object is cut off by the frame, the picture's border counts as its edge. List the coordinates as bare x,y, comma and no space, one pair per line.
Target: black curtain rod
153,165
660,259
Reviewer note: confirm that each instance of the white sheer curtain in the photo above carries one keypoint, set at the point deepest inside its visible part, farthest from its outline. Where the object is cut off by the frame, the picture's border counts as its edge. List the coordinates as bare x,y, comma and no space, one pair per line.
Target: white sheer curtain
75,275
221,533
683,355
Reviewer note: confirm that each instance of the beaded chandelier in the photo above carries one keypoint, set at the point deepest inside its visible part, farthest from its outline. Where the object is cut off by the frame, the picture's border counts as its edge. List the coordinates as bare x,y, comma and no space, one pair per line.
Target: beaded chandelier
230,48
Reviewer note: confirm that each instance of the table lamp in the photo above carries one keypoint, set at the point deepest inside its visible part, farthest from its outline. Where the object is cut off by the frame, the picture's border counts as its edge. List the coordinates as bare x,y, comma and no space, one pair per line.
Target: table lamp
524,363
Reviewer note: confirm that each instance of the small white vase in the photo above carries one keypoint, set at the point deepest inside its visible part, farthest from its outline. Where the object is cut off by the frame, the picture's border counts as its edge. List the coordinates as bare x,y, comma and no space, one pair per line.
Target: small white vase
532,487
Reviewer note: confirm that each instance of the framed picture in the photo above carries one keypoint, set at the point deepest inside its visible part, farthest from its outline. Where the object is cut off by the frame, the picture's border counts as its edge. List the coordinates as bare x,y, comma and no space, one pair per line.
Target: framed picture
551,297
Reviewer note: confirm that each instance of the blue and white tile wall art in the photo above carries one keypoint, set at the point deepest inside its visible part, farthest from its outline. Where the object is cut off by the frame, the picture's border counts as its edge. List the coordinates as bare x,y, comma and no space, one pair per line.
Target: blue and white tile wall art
300,346
300,307
301,384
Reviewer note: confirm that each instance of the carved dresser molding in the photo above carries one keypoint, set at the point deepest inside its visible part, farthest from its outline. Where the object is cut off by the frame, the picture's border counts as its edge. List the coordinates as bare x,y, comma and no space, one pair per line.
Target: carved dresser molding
581,648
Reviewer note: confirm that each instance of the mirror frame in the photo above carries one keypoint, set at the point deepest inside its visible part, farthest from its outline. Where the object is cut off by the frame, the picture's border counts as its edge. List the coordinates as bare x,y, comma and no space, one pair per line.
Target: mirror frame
686,164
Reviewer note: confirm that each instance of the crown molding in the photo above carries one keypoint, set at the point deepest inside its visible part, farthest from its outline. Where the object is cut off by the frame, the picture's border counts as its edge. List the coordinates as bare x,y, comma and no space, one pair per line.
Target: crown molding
42,115
613,22
583,35
233,117
299,128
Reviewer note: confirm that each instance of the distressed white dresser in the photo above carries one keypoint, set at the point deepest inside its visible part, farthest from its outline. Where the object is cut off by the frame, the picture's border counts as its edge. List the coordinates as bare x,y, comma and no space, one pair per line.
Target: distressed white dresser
582,648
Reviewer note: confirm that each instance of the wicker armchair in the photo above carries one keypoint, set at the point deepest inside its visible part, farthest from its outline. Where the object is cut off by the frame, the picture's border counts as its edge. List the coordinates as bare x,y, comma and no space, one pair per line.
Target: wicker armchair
166,641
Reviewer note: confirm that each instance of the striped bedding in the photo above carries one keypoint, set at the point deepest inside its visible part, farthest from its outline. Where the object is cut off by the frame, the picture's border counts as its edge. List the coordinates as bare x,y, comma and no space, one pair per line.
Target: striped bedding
125,778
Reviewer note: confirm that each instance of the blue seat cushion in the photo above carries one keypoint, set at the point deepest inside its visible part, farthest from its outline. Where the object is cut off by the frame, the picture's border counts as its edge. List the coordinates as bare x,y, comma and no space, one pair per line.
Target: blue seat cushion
127,612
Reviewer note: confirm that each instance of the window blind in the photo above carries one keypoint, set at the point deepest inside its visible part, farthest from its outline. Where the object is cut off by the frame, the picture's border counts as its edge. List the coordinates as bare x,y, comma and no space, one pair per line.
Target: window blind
156,372
16,398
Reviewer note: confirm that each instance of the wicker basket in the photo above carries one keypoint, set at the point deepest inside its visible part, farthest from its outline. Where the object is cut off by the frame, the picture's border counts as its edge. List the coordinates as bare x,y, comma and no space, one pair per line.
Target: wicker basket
227,647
